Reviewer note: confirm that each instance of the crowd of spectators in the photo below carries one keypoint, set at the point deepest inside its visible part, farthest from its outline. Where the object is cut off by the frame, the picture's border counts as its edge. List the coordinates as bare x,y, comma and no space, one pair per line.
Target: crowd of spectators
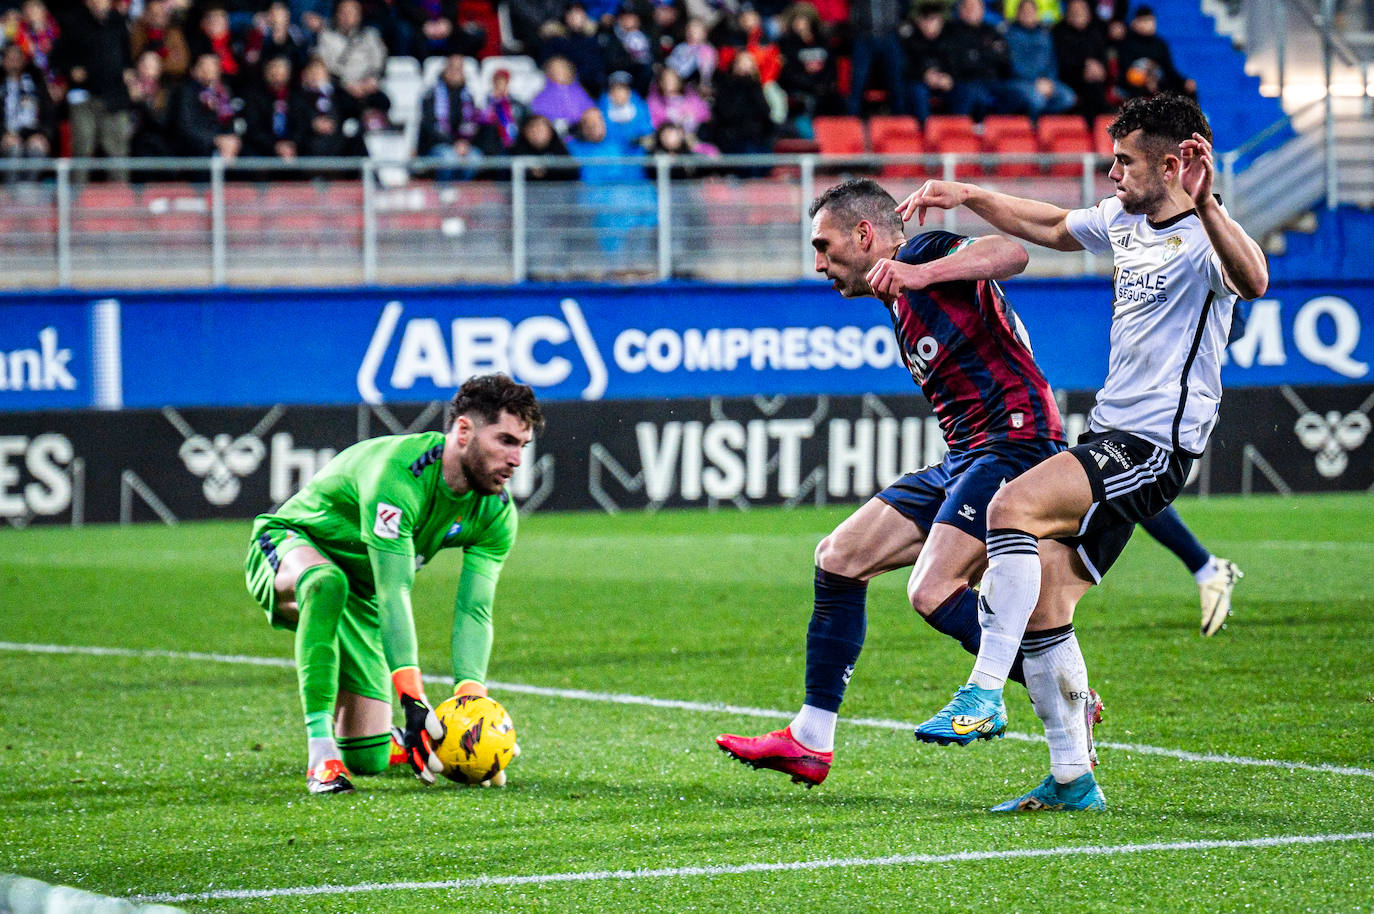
291,78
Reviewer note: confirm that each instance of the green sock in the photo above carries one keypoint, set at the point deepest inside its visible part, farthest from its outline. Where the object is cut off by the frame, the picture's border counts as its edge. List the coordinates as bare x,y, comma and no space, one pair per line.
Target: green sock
321,592
366,754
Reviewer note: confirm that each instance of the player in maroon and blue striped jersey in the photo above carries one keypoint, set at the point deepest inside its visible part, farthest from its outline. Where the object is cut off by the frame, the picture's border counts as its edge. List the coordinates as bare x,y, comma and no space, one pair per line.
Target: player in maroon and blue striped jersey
965,347
969,354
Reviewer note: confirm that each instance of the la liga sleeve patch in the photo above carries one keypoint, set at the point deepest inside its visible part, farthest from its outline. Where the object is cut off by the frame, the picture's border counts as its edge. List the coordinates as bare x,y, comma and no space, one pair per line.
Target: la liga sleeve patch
388,523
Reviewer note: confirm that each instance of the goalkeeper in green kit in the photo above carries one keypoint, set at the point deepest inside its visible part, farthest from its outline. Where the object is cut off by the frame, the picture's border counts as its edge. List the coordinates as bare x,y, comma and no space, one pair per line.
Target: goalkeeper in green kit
337,561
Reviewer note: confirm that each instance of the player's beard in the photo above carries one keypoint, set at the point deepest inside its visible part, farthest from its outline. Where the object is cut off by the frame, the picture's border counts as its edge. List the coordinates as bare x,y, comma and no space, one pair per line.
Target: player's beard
1145,202
481,479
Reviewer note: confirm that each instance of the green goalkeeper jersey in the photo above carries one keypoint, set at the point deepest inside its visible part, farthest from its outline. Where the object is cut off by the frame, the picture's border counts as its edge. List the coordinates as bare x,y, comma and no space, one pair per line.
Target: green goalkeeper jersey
380,510
389,494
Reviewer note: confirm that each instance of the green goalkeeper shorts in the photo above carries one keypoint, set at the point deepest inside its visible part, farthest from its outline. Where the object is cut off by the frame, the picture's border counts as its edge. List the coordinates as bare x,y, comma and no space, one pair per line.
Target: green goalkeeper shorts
363,668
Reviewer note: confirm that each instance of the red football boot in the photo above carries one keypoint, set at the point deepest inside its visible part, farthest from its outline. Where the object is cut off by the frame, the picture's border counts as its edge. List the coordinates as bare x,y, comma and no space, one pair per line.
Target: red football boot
779,751
1092,716
330,777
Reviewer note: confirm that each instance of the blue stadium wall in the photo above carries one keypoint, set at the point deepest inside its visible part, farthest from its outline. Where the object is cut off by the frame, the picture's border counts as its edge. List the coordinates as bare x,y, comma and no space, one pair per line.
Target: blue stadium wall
128,406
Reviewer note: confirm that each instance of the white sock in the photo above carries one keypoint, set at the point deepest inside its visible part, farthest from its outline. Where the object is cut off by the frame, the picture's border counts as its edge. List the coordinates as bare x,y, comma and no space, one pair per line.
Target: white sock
1057,679
1203,574
321,749
1011,586
814,728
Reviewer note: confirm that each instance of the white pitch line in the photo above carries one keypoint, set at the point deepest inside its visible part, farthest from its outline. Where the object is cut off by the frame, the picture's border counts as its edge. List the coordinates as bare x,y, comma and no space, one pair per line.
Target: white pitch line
677,872
693,706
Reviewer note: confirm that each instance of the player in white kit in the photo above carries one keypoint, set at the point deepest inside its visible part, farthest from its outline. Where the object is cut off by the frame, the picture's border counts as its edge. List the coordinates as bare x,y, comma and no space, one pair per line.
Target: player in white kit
1181,263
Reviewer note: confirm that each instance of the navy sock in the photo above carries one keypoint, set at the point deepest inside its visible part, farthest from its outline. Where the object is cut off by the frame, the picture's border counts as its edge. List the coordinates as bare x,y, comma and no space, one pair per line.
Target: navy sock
834,638
958,618
1168,528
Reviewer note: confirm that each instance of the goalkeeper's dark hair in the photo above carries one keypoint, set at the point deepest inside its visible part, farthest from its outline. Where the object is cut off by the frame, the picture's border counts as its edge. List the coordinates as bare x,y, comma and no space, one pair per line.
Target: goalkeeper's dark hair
1164,121
489,395
860,199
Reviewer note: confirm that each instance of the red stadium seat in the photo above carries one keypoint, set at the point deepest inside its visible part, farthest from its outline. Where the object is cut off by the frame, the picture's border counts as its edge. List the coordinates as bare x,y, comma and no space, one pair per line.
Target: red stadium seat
107,208
719,197
290,195
1052,126
177,208
414,208
243,209
1102,143
730,203
881,126
997,127
768,202
898,135
19,218
297,226
954,133
941,127
967,147
840,135
1068,143
343,201
1011,133
293,212
344,193
484,193
793,147
1019,168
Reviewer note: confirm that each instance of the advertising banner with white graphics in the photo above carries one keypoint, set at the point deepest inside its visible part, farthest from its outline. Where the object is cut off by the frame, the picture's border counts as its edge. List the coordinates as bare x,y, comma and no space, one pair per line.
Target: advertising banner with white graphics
173,464
570,342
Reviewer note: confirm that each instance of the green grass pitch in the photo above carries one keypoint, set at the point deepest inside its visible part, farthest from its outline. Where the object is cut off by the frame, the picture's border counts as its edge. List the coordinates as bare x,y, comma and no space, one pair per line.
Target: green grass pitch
149,772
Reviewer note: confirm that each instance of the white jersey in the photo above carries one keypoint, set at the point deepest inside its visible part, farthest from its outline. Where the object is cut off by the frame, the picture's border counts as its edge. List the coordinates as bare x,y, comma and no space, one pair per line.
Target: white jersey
1170,319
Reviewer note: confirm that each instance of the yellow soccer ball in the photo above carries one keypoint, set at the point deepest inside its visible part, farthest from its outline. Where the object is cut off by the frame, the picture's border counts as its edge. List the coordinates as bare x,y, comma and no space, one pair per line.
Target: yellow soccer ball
479,740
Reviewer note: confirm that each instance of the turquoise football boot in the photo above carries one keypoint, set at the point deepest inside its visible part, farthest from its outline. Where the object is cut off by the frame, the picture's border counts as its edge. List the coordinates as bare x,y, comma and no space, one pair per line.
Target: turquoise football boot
973,714
1052,796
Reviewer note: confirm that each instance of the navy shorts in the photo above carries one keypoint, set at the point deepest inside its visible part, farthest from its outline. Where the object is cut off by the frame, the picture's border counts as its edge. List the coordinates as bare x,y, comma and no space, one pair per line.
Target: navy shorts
1132,480
957,489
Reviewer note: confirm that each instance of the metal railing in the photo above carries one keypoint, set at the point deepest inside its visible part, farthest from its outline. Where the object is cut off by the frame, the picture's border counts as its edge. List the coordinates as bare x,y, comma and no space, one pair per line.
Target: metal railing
1321,72
186,223
1267,185
1295,48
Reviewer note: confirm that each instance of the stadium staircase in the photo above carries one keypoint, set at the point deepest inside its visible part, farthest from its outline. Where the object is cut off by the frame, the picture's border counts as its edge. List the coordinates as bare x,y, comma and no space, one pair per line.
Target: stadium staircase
1277,147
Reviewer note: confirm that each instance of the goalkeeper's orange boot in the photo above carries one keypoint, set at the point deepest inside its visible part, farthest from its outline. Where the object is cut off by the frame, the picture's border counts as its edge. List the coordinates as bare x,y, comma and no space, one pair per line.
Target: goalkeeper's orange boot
329,777
779,751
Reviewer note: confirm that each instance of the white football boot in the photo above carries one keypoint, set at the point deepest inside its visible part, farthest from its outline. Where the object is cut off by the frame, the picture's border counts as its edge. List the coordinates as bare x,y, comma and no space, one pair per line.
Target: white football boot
1216,595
